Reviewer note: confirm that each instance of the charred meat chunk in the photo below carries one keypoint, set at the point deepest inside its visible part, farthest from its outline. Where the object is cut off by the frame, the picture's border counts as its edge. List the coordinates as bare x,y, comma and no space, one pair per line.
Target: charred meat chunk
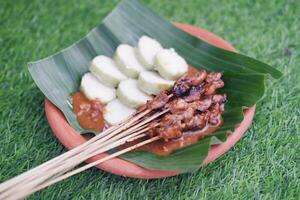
218,84
170,132
214,114
159,101
213,76
202,105
198,77
210,89
195,93
197,122
177,105
219,98
181,87
187,114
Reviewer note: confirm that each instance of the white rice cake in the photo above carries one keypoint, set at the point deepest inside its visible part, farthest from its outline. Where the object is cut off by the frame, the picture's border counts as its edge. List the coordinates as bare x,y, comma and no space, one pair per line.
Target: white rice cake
106,71
126,59
95,90
170,65
129,94
147,48
116,112
152,83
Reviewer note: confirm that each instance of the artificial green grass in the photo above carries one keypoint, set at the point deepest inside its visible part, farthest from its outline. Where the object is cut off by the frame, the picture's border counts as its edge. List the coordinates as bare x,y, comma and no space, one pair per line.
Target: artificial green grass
265,164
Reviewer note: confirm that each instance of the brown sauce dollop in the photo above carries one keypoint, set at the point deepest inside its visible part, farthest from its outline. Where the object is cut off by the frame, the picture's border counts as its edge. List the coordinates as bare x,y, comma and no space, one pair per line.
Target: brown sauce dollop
89,113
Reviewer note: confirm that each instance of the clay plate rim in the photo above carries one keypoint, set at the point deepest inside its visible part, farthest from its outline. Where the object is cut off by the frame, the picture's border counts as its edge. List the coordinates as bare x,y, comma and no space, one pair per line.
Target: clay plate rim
70,138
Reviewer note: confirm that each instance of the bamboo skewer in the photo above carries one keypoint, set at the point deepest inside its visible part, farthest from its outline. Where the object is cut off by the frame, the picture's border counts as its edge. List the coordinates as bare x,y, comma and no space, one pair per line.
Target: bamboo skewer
104,141
44,167
99,161
68,160
76,171
41,179
129,131
72,152
58,167
44,177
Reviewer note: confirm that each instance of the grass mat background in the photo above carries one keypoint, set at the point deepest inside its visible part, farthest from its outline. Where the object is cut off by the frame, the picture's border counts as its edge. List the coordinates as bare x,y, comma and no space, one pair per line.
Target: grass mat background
264,165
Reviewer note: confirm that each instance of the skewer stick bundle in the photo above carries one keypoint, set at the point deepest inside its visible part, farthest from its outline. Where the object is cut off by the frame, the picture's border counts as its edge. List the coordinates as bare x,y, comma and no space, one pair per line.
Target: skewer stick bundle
62,166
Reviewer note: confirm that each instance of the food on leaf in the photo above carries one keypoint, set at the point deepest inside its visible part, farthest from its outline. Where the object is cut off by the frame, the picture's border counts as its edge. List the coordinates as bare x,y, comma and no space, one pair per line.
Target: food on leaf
57,75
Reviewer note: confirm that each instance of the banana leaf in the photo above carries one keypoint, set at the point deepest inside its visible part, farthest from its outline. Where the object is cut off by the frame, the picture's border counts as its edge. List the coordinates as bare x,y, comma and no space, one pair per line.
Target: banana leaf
59,75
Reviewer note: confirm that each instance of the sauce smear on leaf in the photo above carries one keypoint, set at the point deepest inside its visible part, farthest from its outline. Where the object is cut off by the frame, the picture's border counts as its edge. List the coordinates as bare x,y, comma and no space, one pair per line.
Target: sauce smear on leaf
89,113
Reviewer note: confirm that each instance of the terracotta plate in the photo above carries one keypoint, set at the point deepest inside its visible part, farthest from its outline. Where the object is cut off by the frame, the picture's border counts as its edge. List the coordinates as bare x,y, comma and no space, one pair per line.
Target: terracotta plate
70,138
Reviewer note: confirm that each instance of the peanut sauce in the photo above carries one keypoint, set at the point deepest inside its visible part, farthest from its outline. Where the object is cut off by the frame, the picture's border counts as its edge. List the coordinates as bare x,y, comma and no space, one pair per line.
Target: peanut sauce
89,113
